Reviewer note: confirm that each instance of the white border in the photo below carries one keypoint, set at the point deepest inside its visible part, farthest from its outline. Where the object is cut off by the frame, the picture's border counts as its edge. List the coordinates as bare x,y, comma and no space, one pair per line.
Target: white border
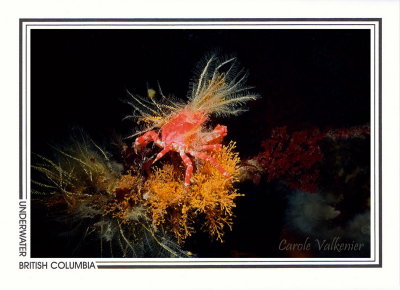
374,260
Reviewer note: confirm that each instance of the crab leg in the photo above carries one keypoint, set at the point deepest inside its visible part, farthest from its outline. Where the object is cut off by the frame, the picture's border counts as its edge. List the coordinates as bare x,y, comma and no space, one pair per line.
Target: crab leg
189,167
219,132
210,147
205,156
162,153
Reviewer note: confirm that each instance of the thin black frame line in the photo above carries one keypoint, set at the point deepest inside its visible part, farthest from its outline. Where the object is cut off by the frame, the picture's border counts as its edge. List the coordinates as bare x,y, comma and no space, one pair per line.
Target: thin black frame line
374,125
248,262
379,20
196,24
374,139
380,140
26,114
194,19
20,113
230,266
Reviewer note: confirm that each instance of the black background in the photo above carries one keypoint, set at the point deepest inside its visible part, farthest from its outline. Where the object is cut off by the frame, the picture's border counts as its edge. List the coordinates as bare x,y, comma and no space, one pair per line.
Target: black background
306,78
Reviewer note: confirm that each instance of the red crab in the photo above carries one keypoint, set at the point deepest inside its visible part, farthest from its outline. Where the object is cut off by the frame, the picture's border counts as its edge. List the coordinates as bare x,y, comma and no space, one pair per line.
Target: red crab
219,90
184,133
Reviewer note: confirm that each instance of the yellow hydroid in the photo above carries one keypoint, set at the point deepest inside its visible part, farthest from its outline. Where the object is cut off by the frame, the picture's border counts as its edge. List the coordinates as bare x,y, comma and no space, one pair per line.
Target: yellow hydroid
209,199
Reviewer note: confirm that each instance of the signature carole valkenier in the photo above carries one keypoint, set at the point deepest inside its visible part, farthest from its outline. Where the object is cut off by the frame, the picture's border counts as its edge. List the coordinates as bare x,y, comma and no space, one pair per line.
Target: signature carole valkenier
335,244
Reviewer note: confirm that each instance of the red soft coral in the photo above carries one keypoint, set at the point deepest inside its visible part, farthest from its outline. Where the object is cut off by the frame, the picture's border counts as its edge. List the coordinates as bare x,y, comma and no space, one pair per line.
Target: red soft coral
295,157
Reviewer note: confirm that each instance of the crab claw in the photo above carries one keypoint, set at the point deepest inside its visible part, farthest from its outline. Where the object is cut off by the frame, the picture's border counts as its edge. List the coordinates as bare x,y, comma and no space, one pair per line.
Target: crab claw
145,139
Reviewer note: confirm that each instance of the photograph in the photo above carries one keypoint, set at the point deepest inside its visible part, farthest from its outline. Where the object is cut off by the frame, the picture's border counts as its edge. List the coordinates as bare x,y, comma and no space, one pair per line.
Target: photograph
202,142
